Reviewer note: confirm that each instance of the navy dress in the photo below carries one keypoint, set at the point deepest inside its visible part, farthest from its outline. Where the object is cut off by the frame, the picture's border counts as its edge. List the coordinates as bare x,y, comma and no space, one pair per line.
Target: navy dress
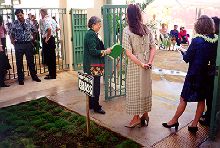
201,56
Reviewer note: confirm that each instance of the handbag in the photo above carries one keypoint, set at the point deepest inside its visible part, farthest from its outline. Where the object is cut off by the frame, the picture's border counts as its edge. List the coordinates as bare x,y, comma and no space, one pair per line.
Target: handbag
97,69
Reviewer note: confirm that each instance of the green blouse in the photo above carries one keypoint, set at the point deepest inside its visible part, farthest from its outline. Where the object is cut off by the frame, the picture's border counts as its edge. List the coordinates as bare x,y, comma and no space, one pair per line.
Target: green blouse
93,51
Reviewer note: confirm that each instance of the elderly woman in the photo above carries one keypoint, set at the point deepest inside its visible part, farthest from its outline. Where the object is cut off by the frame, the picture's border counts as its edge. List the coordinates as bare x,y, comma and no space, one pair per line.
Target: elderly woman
200,55
138,42
93,62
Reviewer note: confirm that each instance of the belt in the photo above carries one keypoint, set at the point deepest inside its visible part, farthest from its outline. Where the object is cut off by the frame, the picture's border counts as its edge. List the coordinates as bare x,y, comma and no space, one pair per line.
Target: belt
22,42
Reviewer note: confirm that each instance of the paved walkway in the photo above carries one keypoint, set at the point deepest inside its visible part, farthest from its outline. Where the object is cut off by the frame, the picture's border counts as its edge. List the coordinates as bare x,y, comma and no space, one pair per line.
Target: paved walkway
64,90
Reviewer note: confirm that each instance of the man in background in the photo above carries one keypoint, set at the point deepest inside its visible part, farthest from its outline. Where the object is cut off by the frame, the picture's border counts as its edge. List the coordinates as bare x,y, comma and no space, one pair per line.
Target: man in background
48,28
22,35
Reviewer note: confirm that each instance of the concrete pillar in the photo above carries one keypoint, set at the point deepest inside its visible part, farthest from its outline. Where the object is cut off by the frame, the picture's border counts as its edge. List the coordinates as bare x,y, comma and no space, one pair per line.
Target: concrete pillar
67,33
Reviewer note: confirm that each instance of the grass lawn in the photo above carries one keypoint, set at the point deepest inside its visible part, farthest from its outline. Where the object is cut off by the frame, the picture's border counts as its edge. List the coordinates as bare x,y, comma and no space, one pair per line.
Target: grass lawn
43,123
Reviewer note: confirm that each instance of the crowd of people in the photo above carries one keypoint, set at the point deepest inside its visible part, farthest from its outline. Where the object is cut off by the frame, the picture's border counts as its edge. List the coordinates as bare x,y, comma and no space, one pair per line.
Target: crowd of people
25,36
139,44
165,39
172,38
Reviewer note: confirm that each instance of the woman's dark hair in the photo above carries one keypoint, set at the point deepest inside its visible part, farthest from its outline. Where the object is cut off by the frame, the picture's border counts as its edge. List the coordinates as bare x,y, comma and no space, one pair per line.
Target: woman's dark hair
17,11
204,25
216,21
93,20
135,22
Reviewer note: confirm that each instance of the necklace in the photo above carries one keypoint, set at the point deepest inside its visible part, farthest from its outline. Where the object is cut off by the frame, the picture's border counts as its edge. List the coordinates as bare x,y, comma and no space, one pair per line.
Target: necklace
206,38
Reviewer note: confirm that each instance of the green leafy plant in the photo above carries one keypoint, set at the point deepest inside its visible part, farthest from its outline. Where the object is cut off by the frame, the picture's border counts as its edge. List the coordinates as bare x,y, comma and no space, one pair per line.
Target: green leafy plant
47,126
127,143
38,122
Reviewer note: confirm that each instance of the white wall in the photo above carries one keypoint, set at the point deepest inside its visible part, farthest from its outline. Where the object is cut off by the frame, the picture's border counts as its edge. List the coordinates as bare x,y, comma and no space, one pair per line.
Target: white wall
83,4
67,32
38,4
118,2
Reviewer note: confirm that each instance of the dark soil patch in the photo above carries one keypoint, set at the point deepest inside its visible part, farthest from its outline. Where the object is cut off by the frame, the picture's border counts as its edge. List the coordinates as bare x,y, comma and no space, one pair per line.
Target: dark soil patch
43,123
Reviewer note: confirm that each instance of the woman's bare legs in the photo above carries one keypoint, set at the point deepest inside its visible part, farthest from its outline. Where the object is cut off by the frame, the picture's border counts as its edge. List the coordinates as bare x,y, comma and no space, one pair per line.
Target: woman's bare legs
199,111
180,109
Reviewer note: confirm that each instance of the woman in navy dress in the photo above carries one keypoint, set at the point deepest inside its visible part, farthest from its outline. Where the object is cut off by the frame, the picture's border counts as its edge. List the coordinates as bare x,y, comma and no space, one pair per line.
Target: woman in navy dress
200,55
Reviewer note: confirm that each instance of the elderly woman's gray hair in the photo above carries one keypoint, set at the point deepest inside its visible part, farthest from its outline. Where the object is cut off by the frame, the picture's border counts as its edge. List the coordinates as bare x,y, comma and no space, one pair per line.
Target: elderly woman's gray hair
93,20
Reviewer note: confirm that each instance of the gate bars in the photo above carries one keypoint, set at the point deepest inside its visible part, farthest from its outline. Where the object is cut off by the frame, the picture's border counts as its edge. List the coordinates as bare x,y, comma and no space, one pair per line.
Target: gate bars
79,28
114,18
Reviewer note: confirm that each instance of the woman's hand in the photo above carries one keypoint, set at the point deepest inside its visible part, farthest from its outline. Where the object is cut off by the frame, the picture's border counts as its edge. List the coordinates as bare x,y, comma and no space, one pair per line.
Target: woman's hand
181,49
108,50
146,66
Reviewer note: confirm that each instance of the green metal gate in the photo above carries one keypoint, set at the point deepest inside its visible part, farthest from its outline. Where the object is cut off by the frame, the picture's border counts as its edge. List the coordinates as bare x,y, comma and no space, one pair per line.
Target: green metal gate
114,19
79,28
215,117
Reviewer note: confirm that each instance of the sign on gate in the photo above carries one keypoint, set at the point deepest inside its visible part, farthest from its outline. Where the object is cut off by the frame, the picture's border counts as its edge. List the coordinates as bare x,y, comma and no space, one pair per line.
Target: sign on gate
85,83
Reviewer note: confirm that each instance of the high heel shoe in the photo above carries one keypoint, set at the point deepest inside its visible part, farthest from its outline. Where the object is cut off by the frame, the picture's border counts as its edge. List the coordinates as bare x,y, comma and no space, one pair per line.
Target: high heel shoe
176,125
134,125
192,129
144,121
